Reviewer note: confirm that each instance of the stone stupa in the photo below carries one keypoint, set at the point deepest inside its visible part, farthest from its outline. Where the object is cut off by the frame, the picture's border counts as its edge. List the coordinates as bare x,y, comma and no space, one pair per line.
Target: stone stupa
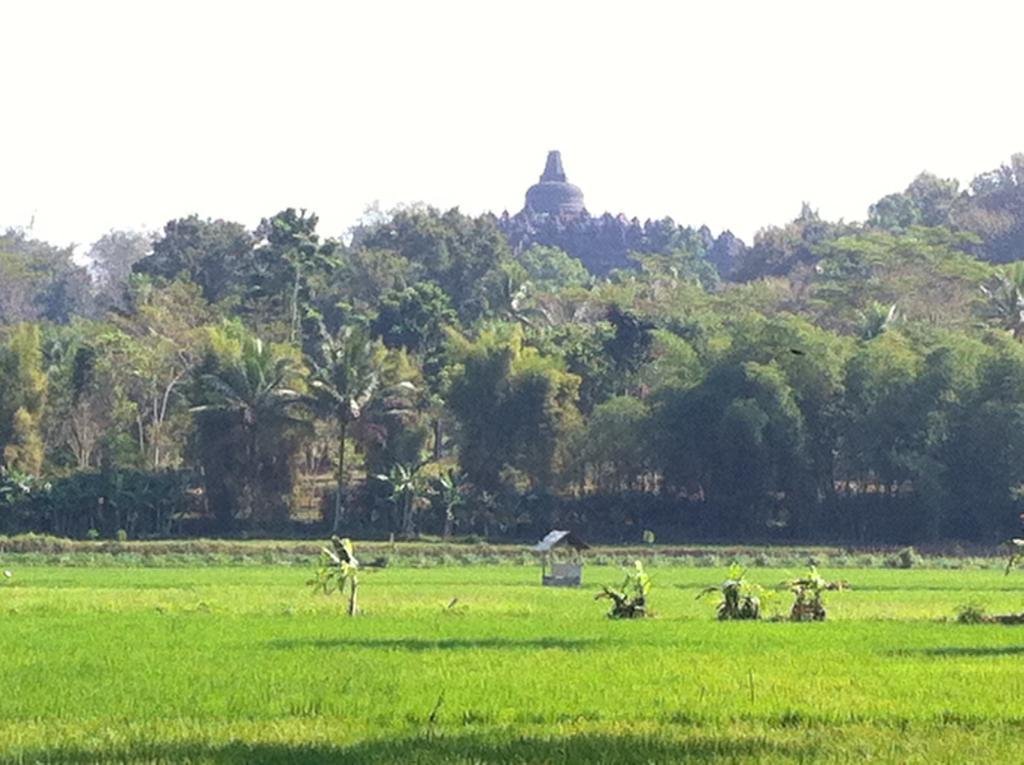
553,195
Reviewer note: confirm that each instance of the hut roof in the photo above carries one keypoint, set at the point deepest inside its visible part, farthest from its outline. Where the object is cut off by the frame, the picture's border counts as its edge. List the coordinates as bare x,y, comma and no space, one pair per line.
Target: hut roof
555,538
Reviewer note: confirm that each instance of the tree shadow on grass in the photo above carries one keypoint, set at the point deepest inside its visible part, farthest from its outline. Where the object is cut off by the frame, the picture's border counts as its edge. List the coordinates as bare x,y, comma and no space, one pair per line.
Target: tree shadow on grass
968,652
583,748
441,644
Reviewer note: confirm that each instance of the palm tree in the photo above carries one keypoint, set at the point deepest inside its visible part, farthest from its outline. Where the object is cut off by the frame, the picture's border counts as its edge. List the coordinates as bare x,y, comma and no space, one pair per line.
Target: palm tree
449,489
345,378
253,394
516,296
876,319
1005,297
404,485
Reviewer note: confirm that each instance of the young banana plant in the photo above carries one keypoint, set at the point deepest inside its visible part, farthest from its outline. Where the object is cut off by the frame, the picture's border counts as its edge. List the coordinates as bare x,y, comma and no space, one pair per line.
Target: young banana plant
740,599
1016,554
808,593
337,568
630,601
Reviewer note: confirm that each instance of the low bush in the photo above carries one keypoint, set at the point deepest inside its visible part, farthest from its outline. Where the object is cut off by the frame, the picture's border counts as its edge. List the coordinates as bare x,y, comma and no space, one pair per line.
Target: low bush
907,557
808,596
630,600
740,599
971,613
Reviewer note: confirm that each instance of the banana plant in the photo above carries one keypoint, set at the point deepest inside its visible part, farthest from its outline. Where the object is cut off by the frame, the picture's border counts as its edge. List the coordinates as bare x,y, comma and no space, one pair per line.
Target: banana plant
740,599
336,569
1016,554
808,592
405,487
16,486
449,490
630,600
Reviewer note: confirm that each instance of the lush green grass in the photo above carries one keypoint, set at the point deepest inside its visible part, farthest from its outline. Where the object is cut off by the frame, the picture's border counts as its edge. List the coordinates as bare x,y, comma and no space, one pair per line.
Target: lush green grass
246,665
41,549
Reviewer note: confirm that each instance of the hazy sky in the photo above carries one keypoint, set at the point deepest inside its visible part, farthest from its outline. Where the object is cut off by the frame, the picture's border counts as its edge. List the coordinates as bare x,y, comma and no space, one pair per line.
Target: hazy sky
124,115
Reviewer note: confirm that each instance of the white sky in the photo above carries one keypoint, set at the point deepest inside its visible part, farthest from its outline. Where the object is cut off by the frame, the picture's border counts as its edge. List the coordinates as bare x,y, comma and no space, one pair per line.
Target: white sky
127,114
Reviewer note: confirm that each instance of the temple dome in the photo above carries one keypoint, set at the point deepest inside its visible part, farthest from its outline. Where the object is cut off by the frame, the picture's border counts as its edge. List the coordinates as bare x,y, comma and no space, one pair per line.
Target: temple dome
553,194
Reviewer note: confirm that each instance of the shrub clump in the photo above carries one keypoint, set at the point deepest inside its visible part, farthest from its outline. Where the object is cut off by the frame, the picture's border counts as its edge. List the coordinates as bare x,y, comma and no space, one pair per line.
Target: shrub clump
630,600
971,613
808,596
740,599
908,557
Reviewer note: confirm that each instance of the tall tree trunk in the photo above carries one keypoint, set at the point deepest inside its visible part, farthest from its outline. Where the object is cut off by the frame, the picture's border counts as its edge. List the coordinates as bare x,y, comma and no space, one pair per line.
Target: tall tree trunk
339,505
407,524
353,605
294,318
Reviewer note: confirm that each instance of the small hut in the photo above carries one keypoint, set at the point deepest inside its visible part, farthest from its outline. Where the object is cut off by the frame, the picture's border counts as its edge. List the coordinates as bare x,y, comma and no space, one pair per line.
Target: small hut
560,555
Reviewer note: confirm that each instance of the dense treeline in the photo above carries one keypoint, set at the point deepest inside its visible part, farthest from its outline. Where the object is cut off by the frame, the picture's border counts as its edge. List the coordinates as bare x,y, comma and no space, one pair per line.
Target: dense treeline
436,373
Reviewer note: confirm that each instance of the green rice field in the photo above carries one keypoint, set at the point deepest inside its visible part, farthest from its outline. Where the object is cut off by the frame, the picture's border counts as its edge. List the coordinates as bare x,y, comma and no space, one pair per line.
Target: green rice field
247,665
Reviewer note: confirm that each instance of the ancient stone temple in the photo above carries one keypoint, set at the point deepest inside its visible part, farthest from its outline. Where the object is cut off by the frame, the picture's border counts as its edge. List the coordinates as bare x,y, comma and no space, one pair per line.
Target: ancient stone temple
554,195
554,216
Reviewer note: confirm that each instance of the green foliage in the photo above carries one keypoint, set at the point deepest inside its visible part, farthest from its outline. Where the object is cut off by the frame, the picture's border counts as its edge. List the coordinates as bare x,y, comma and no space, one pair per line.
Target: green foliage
345,378
1016,554
414,318
778,250
861,381
515,407
550,269
902,681
971,613
405,489
906,557
148,357
927,201
630,601
614,447
17,487
286,272
460,254
450,492
208,253
24,386
929,273
1004,299
139,502
337,569
740,598
249,407
40,282
808,595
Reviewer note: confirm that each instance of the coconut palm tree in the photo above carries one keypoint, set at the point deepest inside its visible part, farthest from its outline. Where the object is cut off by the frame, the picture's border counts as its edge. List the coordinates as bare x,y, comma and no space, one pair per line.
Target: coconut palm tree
1005,299
251,395
876,318
346,376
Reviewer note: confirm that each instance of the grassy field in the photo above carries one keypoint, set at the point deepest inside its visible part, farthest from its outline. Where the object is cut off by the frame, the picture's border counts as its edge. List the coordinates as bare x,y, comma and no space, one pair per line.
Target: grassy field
246,665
